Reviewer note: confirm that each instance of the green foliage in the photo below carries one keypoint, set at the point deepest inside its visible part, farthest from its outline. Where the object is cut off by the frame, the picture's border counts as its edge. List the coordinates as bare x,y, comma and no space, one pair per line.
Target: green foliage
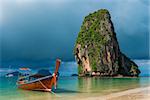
94,66
133,70
96,35
80,69
90,35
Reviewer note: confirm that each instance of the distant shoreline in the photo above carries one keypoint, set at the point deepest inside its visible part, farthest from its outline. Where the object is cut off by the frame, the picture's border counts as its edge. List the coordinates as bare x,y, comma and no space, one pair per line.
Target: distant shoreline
99,76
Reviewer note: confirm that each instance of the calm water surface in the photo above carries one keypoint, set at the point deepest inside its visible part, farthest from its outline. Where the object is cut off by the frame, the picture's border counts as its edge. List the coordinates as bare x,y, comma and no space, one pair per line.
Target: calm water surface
73,87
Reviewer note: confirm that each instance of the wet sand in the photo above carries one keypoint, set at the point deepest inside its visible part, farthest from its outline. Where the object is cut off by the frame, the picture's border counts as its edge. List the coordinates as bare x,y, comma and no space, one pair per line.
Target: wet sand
132,94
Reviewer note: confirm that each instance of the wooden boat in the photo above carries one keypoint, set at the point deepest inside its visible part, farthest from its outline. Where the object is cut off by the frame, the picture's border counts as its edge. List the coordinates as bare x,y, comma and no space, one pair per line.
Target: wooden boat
39,82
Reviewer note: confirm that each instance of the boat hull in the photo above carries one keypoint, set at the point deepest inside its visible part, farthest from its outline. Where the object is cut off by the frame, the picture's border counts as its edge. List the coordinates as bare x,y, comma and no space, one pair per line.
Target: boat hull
42,84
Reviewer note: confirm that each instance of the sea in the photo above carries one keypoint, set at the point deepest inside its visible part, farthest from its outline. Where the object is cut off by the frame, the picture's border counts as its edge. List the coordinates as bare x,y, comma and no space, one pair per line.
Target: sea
72,87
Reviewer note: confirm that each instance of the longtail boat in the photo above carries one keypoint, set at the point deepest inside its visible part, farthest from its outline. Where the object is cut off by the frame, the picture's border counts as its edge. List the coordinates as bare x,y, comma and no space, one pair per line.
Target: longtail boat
37,81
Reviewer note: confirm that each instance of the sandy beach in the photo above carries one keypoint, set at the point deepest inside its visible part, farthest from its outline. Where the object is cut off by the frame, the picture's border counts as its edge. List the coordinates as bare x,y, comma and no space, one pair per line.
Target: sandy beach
132,94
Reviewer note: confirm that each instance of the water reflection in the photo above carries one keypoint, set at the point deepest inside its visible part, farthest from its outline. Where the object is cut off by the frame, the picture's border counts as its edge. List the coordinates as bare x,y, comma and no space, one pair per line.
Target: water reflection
96,84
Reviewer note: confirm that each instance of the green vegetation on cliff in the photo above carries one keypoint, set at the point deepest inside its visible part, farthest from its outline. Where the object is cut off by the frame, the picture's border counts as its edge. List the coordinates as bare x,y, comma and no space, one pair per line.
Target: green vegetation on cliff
90,32
97,48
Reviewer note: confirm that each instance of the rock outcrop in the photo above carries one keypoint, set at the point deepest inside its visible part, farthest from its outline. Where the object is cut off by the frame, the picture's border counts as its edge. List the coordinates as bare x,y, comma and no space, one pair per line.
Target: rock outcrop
97,51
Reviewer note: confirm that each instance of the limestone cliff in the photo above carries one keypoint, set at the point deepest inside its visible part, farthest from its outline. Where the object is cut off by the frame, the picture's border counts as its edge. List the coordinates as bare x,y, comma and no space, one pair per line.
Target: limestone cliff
97,51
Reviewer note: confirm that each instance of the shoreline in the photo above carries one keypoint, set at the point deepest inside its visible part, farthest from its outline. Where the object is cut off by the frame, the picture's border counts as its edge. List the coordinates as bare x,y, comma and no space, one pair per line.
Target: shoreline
142,93
110,76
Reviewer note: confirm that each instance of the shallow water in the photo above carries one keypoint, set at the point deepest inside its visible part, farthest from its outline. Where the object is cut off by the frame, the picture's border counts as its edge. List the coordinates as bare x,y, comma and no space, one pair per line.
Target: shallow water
73,87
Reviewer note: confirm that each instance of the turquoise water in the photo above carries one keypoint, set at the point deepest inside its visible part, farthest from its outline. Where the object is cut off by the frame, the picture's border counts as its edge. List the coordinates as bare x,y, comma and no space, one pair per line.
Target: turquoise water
74,87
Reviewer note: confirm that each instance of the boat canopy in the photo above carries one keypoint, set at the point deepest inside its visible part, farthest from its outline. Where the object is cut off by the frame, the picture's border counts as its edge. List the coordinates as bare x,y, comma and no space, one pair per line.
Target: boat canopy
44,72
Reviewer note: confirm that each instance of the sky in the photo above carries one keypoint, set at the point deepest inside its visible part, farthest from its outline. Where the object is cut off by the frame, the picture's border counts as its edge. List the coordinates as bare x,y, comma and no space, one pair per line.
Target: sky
38,30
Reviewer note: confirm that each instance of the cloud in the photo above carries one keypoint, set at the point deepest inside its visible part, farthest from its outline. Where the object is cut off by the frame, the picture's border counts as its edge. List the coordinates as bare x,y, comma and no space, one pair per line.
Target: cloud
47,29
142,62
145,2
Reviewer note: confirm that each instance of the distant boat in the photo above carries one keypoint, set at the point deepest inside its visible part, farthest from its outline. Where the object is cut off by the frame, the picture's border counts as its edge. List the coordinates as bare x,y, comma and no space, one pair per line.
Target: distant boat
11,74
42,81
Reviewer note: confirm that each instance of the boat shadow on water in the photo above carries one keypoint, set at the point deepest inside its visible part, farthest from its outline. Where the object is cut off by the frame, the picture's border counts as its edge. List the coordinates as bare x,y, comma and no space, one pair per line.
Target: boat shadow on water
61,90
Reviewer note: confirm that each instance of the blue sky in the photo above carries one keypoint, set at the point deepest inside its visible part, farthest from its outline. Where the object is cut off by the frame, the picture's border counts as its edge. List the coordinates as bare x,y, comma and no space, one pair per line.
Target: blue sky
35,30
